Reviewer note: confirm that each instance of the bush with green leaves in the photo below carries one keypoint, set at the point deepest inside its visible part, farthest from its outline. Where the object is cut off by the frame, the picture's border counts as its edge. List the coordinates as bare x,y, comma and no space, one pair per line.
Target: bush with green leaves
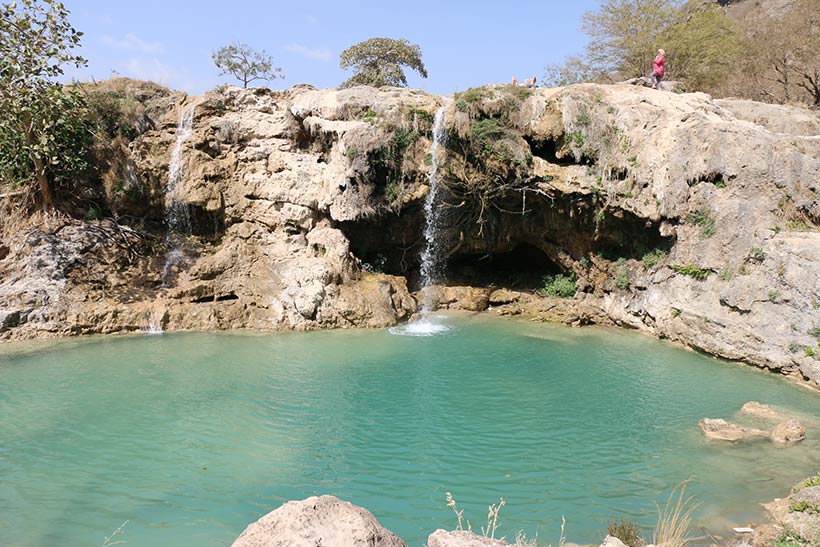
692,270
704,220
562,286
653,258
789,538
43,131
622,278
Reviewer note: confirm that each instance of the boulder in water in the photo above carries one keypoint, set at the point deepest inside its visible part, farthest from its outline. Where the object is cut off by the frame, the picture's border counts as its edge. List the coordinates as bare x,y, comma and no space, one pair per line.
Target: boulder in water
721,430
322,520
789,431
753,408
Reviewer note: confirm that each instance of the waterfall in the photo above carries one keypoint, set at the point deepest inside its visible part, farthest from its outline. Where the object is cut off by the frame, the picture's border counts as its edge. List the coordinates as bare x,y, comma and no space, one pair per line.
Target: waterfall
432,259
431,256
177,215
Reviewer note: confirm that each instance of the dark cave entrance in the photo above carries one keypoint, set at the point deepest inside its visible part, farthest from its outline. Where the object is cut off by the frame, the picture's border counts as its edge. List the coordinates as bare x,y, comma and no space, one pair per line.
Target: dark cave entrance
522,268
522,250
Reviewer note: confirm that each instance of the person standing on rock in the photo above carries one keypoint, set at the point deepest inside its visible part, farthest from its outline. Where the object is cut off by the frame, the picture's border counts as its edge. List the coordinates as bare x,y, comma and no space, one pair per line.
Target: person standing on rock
657,69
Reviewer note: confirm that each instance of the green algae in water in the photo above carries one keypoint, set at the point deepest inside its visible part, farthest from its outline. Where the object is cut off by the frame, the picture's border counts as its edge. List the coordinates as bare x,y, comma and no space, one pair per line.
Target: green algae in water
190,437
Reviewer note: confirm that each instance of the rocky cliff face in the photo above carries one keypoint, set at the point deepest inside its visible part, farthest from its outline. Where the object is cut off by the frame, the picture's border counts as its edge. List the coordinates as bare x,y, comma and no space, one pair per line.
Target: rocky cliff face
691,218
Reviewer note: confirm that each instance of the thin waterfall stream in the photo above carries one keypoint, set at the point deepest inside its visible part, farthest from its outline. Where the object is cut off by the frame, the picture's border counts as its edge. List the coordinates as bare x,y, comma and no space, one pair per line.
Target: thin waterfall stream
177,215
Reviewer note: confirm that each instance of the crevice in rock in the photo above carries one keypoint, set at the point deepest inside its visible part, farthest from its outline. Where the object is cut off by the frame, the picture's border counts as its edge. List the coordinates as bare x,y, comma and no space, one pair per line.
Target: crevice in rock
206,224
547,150
713,177
215,298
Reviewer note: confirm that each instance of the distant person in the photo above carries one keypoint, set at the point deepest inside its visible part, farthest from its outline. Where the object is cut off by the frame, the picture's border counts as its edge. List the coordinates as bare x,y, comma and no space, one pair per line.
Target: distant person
515,81
529,82
657,69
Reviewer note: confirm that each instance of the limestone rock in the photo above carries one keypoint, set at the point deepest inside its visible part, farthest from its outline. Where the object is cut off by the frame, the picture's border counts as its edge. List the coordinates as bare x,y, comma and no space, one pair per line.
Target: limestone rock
721,430
753,408
289,201
500,297
462,538
322,520
789,431
785,515
463,298
809,495
612,541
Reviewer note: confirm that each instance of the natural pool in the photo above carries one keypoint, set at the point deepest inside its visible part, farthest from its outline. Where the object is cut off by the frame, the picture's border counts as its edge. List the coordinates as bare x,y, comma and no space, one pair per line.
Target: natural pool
190,437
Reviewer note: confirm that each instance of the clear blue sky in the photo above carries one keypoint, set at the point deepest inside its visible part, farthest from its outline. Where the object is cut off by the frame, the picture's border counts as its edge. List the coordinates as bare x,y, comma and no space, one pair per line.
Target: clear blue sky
463,43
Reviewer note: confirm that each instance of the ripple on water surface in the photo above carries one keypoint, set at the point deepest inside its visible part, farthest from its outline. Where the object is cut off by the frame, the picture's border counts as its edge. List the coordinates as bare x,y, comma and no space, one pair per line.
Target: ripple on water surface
190,437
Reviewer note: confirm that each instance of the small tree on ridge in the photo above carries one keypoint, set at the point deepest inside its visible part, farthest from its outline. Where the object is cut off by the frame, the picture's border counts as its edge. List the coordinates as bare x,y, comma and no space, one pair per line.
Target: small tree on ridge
379,61
245,64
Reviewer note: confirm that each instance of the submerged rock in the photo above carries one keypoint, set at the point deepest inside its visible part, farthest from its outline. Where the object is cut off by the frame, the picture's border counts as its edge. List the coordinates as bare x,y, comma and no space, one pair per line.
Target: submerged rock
721,430
323,520
789,431
753,408
462,538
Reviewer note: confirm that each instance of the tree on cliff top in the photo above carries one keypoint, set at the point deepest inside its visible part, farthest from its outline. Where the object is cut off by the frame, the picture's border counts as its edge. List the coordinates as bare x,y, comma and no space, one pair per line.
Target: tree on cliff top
43,134
624,34
379,61
245,64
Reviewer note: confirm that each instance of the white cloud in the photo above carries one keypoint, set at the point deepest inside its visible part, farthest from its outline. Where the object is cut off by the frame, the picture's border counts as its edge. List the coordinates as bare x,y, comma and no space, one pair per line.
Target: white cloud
132,42
319,54
157,71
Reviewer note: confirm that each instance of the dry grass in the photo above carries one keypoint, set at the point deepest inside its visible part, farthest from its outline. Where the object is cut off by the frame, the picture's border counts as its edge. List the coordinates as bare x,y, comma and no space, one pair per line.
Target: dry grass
110,540
675,518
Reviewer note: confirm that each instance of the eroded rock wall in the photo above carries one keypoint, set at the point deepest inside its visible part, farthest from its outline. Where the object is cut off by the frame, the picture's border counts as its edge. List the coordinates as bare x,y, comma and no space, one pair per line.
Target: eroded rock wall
691,218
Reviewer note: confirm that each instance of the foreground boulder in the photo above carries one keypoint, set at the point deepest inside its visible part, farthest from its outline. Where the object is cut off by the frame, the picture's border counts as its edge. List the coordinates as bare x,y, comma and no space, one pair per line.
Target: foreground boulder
323,520
721,430
796,515
462,538
612,541
789,431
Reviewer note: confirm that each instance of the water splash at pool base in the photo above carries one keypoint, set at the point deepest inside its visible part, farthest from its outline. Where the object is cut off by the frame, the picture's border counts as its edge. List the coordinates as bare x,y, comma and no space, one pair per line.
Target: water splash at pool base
428,325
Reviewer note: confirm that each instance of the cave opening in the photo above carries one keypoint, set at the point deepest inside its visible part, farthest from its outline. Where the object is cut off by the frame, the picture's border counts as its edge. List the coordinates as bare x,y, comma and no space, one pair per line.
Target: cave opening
547,149
521,268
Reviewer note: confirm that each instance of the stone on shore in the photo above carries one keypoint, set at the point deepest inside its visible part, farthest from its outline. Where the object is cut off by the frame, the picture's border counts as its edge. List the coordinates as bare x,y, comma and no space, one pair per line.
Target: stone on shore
612,541
323,520
721,430
462,538
789,431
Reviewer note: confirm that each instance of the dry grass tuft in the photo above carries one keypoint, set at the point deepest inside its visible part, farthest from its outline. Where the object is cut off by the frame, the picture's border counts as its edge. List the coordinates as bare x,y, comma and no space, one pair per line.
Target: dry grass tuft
675,519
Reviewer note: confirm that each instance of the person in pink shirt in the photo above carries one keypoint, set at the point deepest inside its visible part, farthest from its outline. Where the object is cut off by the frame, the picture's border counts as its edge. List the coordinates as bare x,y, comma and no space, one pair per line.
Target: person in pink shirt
657,69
